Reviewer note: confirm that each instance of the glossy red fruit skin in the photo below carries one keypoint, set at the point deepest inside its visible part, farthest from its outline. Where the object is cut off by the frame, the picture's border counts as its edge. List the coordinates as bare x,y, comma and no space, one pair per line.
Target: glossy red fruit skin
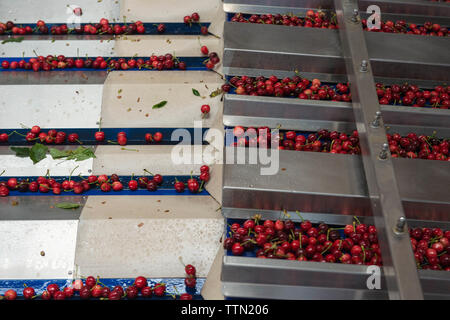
90,281
28,293
96,291
105,292
132,292
158,179
4,191
133,185
59,295
100,136
190,282
46,295
119,289
140,282
10,295
69,292
52,289
122,140
205,109
148,137
179,186
186,296
158,136
85,293
114,295
190,270
159,290
146,292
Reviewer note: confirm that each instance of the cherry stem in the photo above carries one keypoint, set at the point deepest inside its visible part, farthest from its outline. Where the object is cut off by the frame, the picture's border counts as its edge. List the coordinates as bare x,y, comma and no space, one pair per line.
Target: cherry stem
326,249
2,172
127,149
201,186
71,172
357,220
298,213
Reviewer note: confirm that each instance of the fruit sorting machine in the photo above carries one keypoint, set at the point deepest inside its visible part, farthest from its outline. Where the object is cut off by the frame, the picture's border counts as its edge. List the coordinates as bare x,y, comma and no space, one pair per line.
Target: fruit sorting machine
65,101
124,226
333,187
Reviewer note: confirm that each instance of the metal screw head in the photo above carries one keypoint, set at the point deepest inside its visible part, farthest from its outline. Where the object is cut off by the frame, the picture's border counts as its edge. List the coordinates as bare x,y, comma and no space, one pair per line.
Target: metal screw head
355,15
384,152
400,226
364,65
376,120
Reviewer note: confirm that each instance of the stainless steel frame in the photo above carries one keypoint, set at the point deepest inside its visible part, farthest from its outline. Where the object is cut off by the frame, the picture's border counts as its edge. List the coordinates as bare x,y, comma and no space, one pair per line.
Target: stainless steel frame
399,265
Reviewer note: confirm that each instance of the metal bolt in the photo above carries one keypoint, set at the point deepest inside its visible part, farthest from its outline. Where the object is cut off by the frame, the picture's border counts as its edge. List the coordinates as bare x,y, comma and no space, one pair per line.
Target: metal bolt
376,120
355,15
400,226
384,152
364,65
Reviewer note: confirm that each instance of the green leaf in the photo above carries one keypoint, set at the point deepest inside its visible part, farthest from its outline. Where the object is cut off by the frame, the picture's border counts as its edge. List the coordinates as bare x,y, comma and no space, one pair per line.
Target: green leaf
19,39
195,92
38,152
58,154
159,105
81,153
21,152
67,205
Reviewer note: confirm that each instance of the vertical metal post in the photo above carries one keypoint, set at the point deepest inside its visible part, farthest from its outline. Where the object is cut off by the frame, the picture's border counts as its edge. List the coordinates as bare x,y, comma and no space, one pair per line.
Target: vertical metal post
398,261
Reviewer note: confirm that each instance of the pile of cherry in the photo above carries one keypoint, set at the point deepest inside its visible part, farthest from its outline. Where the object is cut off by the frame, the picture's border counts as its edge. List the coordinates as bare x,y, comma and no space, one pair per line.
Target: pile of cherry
323,20
296,86
49,63
102,182
284,239
400,26
318,19
409,146
352,244
102,27
94,288
53,136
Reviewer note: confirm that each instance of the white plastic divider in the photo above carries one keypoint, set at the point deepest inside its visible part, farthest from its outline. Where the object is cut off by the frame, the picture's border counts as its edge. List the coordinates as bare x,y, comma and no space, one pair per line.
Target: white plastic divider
31,47
212,289
179,45
126,236
51,106
154,158
37,249
129,97
23,167
51,11
170,10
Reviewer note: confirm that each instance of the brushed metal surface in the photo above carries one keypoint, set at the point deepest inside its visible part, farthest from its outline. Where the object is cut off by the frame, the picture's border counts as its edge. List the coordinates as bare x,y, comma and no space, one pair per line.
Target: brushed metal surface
294,273
37,248
312,115
271,6
320,51
280,279
41,208
326,183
